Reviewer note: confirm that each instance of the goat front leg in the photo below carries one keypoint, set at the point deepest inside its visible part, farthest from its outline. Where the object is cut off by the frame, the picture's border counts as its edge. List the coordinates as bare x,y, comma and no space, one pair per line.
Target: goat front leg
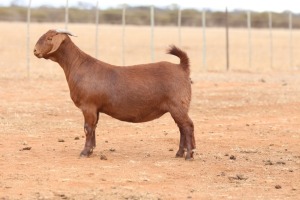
90,124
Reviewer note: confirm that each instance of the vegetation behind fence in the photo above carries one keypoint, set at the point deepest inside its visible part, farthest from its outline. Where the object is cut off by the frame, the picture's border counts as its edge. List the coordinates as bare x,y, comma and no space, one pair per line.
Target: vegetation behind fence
140,16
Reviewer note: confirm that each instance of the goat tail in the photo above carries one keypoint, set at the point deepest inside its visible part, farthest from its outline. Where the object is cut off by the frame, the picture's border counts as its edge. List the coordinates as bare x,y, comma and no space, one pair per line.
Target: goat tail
184,59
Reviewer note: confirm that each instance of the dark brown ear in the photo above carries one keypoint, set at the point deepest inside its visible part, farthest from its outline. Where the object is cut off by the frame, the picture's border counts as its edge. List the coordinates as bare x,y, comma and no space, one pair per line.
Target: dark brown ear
56,41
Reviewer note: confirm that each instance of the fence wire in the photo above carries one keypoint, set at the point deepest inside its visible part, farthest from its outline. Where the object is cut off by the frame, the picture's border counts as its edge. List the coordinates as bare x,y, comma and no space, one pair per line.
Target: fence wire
180,36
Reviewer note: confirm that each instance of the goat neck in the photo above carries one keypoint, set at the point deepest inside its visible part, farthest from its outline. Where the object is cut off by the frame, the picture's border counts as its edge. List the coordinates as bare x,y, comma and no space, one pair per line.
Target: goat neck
69,56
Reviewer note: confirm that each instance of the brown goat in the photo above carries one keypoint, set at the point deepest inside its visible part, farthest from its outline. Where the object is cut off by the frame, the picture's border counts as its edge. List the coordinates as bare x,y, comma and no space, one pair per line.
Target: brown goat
138,93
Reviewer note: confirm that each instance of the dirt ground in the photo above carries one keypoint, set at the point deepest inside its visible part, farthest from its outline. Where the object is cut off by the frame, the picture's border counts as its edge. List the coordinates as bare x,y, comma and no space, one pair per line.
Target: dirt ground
247,129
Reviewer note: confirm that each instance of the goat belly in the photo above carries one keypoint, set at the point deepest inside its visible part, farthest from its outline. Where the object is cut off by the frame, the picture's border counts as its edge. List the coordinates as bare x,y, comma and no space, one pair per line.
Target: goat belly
138,118
132,113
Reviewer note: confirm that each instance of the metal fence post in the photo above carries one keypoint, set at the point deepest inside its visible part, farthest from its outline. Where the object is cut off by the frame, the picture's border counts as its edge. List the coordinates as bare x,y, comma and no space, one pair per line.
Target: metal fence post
123,33
227,40
291,39
179,26
28,38
97,23
271,40
67,15
204,39
249,39
152,32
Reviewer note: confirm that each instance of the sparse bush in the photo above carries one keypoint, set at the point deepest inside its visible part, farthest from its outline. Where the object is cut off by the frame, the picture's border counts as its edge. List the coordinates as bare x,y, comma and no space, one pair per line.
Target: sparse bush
141,16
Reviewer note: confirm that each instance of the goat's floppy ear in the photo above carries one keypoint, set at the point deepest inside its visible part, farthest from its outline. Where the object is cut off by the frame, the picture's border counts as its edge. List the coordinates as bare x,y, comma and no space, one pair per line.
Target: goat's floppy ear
56,41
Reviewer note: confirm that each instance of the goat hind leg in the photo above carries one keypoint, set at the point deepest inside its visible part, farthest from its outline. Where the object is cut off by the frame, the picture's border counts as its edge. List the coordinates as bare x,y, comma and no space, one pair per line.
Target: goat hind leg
188,130
182,144
187,139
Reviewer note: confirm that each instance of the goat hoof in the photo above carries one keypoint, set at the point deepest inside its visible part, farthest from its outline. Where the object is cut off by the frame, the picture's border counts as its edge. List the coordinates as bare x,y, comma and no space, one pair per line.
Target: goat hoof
189,159
86,153
189,156
179,154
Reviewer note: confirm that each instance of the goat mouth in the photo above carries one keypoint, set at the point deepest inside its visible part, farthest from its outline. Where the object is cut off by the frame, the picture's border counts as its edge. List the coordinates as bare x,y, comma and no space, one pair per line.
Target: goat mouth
39,55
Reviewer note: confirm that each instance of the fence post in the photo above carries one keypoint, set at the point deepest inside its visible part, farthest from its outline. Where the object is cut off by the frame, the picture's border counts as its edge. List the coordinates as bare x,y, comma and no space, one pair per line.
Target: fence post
227,40
179,26
204,39
291,38
123,33
67,15
249,39
271,40
28,38
152,32
97,23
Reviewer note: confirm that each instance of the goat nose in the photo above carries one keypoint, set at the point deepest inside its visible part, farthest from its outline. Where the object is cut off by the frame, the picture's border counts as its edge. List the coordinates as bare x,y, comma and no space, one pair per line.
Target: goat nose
35,52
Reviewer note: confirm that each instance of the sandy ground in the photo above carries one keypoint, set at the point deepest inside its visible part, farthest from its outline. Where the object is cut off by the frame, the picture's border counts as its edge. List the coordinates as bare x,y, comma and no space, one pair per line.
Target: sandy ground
247,125
247,136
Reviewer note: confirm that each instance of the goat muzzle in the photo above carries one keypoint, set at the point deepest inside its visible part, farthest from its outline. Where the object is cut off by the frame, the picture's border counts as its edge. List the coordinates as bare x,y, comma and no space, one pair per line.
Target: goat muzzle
37,54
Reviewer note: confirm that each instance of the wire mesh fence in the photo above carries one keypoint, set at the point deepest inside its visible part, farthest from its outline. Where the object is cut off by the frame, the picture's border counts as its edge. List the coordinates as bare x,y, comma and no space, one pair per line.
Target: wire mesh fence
211,49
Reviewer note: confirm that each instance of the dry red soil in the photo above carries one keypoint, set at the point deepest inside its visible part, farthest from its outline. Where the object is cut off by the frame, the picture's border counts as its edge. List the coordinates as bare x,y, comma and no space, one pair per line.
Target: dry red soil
247,129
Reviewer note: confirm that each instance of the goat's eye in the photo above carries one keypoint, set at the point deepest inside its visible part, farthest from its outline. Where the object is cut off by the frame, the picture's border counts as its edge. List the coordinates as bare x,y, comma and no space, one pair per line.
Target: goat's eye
49,38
